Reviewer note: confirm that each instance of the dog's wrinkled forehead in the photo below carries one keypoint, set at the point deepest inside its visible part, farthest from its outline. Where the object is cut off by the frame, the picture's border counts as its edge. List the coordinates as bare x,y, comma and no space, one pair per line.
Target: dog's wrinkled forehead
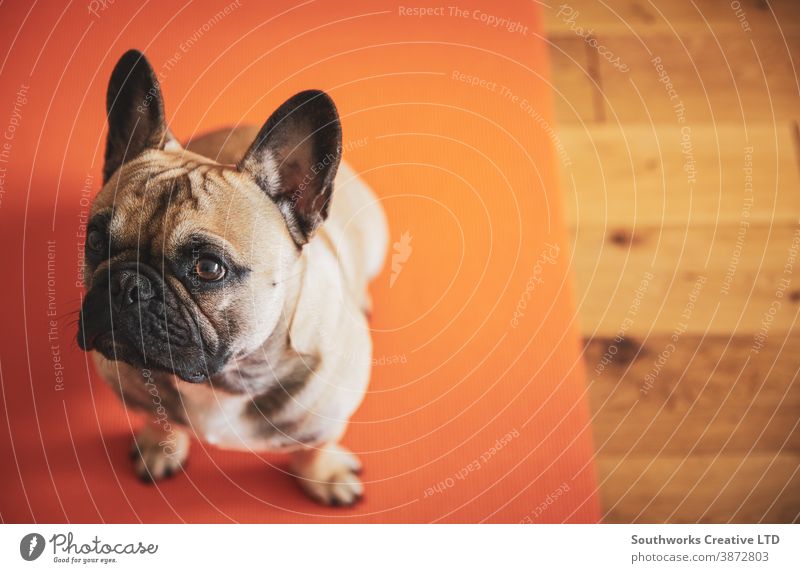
162,197
280,187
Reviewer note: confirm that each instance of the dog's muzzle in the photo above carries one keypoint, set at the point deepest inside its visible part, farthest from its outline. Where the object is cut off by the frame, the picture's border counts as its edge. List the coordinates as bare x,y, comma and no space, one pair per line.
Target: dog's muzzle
130,314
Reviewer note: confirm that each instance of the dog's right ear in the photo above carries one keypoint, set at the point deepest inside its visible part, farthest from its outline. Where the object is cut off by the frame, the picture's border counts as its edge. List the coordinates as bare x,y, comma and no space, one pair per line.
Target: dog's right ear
295,157
135,110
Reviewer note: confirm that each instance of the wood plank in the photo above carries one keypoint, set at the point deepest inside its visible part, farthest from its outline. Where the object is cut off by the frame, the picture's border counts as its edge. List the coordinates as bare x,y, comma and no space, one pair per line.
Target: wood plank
574,91
744,292
634,175
646,18
707,396
632,212
715,78
641,490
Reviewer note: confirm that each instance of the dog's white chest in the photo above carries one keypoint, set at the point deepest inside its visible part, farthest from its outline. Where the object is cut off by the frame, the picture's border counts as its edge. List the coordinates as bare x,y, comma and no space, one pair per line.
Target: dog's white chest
217,417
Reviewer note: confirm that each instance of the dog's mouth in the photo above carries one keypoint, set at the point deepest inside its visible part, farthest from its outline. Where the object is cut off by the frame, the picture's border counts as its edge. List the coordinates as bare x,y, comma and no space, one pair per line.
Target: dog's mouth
114,348
137,331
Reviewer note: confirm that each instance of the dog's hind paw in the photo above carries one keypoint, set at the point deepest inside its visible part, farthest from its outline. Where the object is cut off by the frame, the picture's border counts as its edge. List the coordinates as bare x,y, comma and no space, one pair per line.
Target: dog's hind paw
328,475
157,454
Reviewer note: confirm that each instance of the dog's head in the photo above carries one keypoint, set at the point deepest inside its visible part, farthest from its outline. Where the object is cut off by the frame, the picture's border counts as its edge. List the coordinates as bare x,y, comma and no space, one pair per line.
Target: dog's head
188,260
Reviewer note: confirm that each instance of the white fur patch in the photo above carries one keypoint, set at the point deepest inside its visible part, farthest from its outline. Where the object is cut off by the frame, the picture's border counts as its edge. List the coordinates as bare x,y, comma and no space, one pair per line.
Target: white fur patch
269,171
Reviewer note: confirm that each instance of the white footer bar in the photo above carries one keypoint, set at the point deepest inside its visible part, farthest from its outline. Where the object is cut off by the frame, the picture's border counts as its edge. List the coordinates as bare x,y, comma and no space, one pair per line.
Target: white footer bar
389,548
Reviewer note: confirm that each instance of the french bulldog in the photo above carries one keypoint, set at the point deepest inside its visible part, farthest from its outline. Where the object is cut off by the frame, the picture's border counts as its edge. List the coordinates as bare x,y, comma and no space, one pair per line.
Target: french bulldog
226,286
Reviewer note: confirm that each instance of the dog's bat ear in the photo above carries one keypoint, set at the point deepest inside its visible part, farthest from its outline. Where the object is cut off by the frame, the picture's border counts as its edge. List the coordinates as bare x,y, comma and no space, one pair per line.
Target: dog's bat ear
135,110
295,157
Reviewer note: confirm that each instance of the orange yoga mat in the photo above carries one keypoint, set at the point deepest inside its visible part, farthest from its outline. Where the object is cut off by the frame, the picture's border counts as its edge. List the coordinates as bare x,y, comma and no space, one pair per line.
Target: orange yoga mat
477,408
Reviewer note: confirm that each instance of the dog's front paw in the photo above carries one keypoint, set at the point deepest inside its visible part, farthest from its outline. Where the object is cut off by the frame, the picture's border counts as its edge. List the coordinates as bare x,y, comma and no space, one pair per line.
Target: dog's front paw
328,474
157,454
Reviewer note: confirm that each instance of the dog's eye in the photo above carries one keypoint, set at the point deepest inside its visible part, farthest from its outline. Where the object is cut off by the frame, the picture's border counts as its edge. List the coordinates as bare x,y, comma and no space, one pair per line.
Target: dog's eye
209,269
95,241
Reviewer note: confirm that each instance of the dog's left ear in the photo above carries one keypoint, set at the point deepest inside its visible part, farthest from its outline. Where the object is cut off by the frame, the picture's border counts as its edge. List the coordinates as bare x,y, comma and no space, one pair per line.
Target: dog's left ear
135,112
295,157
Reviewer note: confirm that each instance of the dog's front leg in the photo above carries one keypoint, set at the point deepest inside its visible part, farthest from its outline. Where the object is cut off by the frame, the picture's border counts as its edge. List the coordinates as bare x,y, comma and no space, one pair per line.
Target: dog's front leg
328,474
159,450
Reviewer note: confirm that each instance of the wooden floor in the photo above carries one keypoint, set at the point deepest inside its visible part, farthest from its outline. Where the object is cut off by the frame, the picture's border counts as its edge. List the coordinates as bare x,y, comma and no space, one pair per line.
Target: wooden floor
678,138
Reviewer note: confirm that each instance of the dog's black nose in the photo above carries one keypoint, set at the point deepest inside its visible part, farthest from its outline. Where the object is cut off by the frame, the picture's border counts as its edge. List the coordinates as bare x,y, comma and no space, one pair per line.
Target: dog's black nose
132,288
